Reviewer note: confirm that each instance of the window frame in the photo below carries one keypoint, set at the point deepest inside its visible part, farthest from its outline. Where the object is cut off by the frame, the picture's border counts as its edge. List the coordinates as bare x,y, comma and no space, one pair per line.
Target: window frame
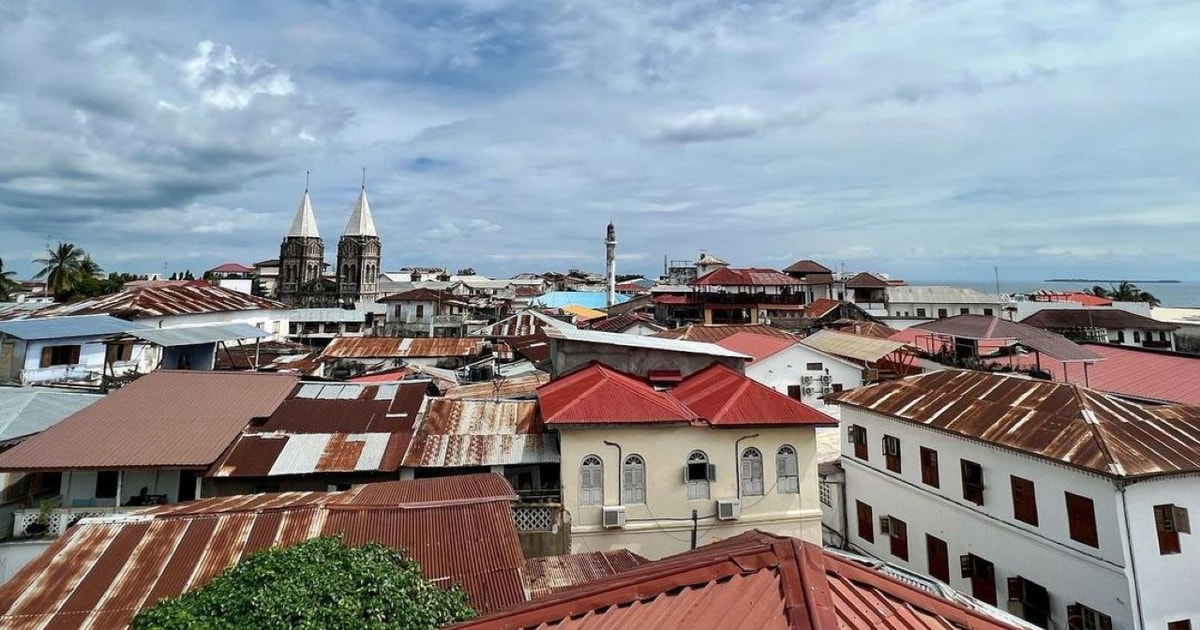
930,475
633,480
108,484
938,569
1082,530
891,453
787,482
866,521
857,435
591,495
751,485
1080,617
58,355
1170,520
1024,498
921,312
898,538
698,489
972,490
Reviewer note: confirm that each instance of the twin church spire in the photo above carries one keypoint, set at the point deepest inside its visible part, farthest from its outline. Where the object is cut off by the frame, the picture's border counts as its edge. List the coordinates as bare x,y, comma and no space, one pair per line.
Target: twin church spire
303,280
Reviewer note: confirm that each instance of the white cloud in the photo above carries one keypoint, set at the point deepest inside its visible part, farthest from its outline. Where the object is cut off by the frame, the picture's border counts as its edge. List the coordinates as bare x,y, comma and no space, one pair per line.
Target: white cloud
225,82
717,123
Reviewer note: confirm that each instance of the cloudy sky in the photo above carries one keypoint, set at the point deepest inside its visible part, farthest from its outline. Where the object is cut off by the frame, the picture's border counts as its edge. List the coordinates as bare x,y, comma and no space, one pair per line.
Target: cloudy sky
932,140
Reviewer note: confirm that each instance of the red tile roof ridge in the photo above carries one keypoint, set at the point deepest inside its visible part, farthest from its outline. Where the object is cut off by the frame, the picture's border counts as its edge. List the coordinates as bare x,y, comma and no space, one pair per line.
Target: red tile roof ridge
745,384
608,374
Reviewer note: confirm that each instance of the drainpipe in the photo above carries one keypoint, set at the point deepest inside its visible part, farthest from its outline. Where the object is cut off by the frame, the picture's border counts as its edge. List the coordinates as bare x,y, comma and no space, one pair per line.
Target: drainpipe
1137,591
737,461
620,463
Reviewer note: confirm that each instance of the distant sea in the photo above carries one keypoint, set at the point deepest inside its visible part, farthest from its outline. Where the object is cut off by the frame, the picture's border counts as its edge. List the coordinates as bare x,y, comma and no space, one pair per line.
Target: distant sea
1181,294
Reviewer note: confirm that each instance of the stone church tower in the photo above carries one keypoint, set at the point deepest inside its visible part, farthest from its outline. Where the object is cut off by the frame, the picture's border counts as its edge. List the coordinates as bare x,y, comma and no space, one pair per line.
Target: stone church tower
358,254
302,254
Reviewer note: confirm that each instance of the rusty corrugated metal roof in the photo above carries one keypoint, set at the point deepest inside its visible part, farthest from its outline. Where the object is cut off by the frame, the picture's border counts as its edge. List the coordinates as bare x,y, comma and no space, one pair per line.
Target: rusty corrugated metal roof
398,348
167,418
329,428
551,574
458,433
985,327
715,333
745,277
102,571
521,385
1057,421
156,299
751,581
523,324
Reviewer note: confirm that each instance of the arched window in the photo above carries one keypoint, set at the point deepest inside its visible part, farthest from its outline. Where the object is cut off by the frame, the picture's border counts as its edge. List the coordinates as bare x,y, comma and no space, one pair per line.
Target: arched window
696,475
591,481
633,480
787,470
752,472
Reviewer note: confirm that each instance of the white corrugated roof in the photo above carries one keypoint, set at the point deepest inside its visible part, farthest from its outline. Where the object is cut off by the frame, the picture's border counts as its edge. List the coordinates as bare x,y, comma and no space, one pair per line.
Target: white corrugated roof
909,294
638,341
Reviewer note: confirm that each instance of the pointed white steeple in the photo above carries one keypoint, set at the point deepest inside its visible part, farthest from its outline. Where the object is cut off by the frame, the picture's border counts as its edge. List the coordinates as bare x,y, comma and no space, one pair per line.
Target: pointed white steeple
305,223
361,223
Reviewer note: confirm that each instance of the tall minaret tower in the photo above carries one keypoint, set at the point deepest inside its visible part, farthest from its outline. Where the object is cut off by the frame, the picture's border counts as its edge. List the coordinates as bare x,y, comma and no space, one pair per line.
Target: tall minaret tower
302,253
358,252
610,263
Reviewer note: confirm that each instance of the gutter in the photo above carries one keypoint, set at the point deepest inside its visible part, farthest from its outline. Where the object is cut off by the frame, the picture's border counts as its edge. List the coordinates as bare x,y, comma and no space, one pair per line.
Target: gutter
1137,589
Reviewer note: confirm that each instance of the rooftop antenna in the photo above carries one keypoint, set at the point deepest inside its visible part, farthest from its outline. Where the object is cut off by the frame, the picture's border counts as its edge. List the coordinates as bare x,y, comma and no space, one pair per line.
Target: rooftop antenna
306,174
364,178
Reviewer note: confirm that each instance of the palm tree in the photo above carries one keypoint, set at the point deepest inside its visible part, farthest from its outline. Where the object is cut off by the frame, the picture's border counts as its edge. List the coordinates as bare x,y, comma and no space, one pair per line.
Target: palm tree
1124,291
89,268
1097,291
62,269
8,286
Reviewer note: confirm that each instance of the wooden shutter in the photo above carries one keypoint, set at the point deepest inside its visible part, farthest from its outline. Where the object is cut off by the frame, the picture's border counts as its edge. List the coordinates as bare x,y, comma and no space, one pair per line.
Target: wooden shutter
1180,517
1075,617
939,558
47,356
866,526
1081,518
1024,501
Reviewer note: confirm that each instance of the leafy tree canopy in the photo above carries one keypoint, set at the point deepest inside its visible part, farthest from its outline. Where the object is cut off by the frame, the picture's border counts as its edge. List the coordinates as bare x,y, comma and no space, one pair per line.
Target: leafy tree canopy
1124,291
316,584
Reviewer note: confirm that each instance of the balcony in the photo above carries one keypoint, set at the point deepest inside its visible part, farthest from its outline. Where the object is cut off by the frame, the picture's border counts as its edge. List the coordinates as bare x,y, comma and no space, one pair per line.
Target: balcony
748,298
60,519
1158,345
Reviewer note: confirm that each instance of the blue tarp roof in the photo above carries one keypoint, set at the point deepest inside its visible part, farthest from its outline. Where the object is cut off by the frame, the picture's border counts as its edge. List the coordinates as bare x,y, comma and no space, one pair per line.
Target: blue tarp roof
590,299
67,327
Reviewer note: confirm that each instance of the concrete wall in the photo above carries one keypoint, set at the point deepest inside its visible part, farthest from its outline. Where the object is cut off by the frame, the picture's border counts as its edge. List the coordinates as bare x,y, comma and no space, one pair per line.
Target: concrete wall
909,309
567,356
1167,585
16,554
789,367
1071,571
270,320
662,525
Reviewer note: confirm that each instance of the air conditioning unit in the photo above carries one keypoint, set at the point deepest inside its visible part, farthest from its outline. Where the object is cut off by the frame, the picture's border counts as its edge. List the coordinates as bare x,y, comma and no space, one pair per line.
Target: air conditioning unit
885,525
826,390
729,509
614,516
807,380
808,391
827,379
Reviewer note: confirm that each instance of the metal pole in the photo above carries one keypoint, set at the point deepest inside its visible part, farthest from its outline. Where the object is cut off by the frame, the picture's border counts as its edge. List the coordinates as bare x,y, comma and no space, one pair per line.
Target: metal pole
695,526
620,463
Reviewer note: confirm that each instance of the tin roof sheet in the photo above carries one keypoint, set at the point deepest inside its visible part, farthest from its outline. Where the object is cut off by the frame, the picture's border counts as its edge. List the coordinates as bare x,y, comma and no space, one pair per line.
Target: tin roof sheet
400,348
589,299
600,394
911,294
167,418
25,411
715,333
637,341
807,266
1057,421
865,280
65,327
525,323
757,346
867,349
625,321
1105,317
745,277
522,385
723,397
754,580
458,433
155,299
984,327
191,335
103,570
328,428
551,574
1151,375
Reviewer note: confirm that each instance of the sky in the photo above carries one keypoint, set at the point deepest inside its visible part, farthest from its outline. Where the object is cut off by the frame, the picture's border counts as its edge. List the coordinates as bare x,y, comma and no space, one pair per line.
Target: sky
927,140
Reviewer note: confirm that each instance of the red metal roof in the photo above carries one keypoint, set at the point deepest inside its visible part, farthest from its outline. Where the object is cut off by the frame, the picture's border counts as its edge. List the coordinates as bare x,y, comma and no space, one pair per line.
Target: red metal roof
866,280
745,277
1061,422
102,571
1110,318
715,333
600,394
623,322
1151,375
751,581
820,307
721,396
167,418
231,267
386,376
392,347
551,574
155,299
459,433
757,346
807,266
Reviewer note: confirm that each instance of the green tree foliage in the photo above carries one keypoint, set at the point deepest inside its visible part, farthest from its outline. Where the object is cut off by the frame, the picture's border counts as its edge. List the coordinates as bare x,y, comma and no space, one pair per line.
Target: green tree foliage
316,584
62,269
8,286
1124,291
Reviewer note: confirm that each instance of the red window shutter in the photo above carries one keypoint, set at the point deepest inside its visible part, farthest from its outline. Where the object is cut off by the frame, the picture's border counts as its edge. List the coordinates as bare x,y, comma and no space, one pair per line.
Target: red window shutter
1075,617
47,356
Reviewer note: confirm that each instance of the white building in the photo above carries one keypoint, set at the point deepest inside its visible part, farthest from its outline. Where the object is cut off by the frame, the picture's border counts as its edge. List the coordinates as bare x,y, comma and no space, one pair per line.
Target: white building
1069,504
789,367
65,349
1106,325
908,305
647,465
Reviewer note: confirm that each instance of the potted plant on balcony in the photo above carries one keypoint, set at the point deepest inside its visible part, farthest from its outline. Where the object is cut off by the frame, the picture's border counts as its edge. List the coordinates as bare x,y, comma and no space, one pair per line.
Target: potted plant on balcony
42,524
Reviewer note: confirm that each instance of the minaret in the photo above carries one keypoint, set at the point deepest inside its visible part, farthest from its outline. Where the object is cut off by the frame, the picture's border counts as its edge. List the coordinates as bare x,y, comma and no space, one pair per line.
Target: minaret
610,260
302,253
358,252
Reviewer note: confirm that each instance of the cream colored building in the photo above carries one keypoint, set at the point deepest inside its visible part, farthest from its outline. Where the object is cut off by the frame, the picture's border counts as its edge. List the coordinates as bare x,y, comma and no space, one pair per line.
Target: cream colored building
639,457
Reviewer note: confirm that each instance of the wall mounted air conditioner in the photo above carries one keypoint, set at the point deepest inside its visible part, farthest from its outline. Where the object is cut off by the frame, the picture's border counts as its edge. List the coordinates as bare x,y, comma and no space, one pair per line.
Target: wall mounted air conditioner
827,379
807,380
614,516
808,391
729,509
826,390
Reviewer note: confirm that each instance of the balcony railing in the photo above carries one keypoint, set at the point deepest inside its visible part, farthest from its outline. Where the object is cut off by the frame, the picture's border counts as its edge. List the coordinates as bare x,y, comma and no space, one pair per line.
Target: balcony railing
746,298
26,522
537,517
